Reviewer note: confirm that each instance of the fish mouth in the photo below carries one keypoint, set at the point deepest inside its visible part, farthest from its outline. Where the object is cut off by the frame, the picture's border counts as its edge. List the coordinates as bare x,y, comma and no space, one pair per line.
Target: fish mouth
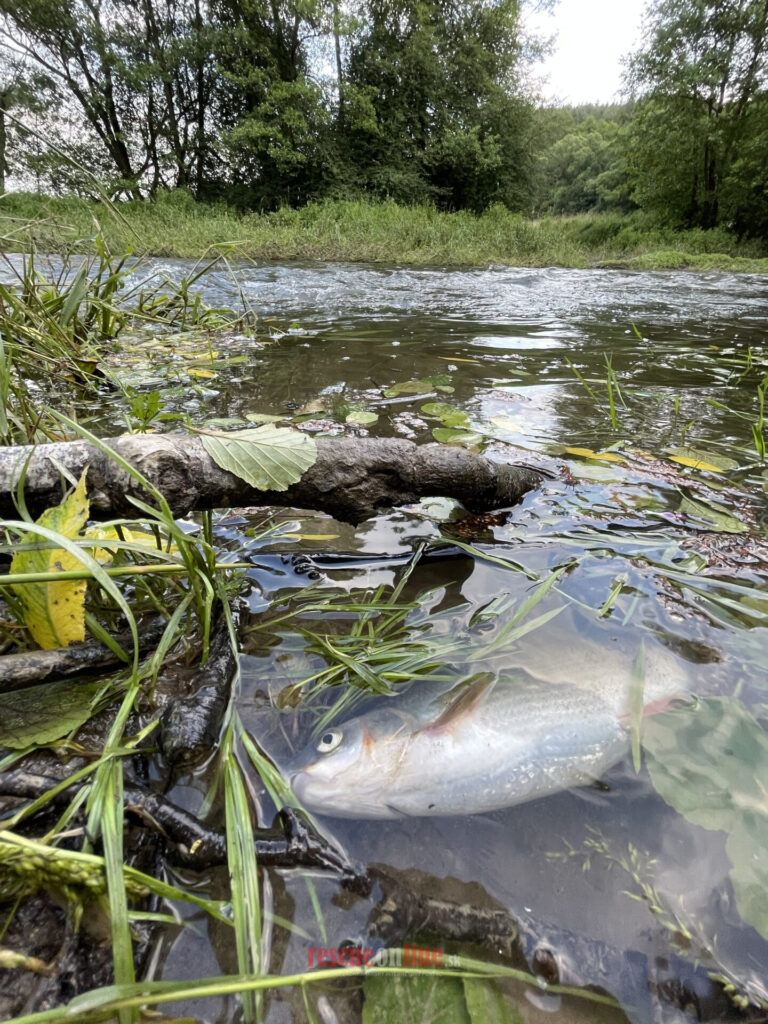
311,796
319,797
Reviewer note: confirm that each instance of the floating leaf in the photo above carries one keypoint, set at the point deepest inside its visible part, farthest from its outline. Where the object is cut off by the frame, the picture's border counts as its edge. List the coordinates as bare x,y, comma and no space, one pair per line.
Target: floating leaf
712,516
698,459
710,762
204,374
361,416
41,714
449,414
439,382
451,435
54,613
587,453
316,536
268,457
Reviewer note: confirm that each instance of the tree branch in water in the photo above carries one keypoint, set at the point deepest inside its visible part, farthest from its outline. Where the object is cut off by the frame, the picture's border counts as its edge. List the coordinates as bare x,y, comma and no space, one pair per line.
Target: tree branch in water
352,479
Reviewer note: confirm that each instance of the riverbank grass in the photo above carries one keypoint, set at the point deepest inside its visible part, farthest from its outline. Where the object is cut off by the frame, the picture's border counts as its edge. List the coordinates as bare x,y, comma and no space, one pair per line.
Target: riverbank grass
176,226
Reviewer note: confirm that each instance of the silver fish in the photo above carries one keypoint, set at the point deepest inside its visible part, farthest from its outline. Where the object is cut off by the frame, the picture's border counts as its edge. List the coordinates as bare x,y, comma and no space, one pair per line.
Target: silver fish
492,744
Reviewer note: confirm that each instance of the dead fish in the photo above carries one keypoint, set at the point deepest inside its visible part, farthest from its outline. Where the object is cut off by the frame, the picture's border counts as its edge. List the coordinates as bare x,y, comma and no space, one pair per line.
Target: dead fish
491,744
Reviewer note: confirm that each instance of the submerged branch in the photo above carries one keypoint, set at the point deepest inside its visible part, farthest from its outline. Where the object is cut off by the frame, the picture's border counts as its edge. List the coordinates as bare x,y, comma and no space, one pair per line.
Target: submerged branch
292,842
28,668
351,480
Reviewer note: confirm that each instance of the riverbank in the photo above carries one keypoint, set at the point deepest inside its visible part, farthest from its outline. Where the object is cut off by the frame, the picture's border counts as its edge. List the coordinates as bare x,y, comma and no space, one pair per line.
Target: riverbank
175,226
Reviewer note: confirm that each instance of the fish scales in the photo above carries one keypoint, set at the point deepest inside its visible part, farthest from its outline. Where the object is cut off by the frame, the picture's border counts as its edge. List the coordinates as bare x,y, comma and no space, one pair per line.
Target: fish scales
390,763
490,744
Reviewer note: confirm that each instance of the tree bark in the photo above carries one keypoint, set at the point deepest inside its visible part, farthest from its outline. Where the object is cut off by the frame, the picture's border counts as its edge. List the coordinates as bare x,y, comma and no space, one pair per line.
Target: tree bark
351,480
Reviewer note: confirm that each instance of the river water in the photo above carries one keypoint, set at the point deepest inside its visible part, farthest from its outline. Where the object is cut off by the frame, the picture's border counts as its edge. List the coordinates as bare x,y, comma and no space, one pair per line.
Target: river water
614,881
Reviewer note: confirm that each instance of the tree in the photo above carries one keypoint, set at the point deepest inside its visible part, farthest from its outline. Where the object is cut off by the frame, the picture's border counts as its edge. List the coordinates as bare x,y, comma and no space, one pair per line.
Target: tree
434,108
701,72
139,77
585,169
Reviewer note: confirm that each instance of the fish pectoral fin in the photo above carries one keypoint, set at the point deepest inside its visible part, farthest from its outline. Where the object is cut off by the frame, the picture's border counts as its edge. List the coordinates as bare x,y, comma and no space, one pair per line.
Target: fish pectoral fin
471,692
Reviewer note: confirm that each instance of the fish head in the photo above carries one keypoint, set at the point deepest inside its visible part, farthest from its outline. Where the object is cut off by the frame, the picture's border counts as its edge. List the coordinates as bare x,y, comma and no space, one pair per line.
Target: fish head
350,770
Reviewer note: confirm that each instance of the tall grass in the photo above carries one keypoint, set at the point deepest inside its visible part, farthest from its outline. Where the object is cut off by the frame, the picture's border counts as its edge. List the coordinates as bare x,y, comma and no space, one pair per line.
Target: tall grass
175,226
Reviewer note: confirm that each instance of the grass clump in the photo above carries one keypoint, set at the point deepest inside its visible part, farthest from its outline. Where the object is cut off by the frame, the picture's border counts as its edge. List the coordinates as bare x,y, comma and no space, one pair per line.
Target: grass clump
359,230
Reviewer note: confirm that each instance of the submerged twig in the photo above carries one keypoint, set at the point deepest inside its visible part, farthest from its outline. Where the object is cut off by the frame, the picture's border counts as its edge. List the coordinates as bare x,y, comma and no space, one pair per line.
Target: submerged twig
295,843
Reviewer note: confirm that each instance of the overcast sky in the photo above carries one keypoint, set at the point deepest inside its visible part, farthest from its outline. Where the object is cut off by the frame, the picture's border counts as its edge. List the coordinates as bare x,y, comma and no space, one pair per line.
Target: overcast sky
592,37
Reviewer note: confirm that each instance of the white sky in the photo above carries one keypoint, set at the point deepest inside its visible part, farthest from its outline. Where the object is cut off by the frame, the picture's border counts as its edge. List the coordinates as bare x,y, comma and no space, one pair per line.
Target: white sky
592,37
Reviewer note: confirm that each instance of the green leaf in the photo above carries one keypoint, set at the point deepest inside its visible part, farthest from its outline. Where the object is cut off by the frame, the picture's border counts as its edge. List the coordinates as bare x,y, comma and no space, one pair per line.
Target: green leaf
487,1004
41,714
439,382
361,416
712,516
710,762
391,999
452,435
449,414
268,457
54,613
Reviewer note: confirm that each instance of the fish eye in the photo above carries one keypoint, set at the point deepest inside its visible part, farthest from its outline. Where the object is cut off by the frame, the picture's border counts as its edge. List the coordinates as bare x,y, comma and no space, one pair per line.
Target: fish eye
329,741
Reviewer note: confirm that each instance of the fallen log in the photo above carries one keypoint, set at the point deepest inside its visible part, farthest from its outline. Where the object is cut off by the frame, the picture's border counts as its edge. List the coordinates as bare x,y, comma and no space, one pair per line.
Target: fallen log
352,479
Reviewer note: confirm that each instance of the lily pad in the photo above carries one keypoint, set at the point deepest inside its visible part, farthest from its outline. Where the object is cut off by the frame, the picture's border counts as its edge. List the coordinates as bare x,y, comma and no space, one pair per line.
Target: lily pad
268,457
361,416
449,414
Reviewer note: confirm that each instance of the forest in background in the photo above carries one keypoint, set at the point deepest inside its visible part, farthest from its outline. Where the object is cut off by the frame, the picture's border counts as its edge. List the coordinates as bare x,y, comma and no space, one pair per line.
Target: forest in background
265,104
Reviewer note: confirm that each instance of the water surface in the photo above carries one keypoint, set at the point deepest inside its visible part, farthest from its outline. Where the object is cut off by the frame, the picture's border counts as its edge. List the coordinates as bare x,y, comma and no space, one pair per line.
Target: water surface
612,875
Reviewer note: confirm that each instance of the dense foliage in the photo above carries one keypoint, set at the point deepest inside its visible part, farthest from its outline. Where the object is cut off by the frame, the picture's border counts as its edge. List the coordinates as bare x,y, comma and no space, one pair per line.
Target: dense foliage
265,103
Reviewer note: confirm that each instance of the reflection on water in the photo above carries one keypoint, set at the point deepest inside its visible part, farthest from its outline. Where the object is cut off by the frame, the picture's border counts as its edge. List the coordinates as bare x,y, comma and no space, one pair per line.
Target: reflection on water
613,880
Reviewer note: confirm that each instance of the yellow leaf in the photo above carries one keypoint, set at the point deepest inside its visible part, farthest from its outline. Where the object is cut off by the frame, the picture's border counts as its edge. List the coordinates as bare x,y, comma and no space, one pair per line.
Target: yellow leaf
683,460
587,453
205,374
456,359
54,613
316,536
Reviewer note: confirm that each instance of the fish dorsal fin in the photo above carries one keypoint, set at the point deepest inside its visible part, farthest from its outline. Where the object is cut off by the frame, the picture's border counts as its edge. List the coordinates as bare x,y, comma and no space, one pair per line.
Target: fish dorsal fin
471,692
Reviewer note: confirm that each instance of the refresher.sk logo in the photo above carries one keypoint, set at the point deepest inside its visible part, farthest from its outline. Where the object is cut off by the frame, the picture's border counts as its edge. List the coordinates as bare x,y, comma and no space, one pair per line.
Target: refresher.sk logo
402,956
